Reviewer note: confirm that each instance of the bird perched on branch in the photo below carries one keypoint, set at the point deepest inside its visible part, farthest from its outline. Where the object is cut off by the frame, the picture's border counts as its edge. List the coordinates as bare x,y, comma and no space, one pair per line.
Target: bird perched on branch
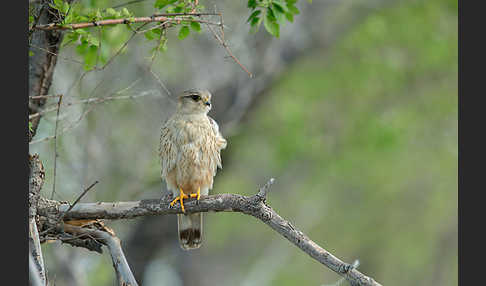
190,145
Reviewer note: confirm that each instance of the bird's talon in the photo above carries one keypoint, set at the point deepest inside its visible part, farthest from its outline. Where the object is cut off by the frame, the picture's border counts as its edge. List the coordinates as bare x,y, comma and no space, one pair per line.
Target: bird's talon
180,198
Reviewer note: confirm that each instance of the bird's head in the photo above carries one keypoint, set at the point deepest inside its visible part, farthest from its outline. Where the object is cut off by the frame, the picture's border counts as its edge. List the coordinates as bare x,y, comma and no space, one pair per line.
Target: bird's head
194,101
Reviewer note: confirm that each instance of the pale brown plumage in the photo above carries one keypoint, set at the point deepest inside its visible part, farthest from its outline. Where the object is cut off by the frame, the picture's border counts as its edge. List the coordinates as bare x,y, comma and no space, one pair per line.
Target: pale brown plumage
190,145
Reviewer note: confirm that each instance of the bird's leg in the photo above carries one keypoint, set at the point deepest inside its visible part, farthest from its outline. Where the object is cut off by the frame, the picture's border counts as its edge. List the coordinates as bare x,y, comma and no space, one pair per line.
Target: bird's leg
197,195
180,198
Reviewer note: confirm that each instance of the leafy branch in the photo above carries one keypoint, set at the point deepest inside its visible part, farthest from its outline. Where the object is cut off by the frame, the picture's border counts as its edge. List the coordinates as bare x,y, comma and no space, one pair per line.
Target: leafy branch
272,13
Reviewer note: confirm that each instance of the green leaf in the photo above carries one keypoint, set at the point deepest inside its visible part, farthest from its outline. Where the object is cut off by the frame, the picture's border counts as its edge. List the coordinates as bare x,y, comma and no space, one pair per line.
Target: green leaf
293,9
111,11
93,41
82,32
253,15
69,38
170,10
30,55
179,8
126,13
81,48
150,35
65,7
290,17
183,32
58,4
290,2
252,4
271,15
90,57
256,22
196,26
160,4
279,13
30,127
271,24
279,6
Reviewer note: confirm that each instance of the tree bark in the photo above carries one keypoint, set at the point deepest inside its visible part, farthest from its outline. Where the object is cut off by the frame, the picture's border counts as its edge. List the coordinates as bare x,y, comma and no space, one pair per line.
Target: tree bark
44,46
36,180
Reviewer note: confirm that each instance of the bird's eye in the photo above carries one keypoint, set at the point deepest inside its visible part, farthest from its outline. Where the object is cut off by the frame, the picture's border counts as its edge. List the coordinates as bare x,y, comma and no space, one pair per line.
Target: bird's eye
195,97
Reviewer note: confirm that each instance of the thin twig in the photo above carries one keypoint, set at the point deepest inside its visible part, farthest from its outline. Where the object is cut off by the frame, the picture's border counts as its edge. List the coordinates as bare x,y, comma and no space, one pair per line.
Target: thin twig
56,26
354,265
70,208
100,30
162,34
95,68
186,14
44,96
262,193
95,100
161,84
55,147
36,20
223,43
55,54
80,197
92,100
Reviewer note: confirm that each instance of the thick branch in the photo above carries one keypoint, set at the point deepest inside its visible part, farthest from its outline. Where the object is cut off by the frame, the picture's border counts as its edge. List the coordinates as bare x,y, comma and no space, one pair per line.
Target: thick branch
250,205
34,276
123,273
36,180
36,252
42,64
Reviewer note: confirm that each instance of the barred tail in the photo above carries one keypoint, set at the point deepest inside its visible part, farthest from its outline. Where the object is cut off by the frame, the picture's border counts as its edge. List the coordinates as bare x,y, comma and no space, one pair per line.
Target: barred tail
190,230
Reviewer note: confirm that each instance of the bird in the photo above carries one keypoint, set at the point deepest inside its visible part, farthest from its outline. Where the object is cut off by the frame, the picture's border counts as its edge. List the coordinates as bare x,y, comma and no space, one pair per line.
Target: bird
190,152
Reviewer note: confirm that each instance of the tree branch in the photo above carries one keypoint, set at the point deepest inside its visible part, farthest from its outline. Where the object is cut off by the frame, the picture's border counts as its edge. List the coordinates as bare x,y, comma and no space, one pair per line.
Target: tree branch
42,63
123,273
36,180
34,276
251,205
36,252
56,26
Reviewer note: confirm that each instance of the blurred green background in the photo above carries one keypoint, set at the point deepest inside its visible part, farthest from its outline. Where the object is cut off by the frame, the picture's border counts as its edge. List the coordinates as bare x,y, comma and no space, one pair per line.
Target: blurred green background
361,137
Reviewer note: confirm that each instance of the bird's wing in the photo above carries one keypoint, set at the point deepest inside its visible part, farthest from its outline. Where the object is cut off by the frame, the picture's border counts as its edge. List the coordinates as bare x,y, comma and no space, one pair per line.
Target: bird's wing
221,142
167,148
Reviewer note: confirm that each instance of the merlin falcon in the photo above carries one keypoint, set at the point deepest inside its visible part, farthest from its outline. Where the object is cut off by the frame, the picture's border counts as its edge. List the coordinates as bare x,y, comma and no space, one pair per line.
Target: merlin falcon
190,146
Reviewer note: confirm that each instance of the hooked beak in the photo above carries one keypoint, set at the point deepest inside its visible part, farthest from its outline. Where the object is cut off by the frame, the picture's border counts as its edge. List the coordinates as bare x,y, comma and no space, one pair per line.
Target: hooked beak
208,103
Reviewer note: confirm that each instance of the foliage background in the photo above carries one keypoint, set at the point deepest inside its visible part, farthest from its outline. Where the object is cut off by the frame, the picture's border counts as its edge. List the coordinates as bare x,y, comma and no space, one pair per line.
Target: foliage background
359,130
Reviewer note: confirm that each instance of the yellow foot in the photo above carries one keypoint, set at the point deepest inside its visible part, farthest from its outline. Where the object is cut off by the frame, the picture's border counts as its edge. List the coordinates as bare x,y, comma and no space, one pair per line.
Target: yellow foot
197,195
180,198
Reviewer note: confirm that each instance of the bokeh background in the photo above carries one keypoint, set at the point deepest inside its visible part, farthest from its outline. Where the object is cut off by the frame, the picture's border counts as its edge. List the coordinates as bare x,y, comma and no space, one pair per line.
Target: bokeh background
353,111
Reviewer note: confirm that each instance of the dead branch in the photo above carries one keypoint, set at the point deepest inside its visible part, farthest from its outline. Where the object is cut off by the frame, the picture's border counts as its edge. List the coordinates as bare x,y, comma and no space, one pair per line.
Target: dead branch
123,273
55,146
251,205
226,47
94,100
